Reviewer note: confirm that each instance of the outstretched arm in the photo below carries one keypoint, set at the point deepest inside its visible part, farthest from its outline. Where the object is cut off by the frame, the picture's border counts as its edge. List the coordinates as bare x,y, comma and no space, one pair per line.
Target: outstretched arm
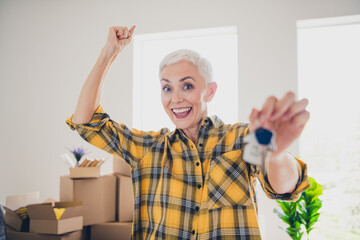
287,117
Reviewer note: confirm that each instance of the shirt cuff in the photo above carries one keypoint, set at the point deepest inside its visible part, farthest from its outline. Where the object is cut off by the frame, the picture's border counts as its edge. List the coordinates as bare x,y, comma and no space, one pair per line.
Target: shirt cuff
302,184
98,119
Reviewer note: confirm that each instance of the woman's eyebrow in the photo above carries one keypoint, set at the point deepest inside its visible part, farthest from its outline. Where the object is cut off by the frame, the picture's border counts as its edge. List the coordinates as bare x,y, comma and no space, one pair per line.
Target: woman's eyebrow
187,77
181,80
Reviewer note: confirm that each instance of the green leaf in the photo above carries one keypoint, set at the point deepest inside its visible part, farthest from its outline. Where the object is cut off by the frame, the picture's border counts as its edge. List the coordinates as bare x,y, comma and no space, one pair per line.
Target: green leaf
300,235
286,220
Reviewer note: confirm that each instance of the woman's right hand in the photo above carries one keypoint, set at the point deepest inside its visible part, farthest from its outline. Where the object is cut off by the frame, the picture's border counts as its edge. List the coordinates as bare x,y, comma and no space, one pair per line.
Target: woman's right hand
118,38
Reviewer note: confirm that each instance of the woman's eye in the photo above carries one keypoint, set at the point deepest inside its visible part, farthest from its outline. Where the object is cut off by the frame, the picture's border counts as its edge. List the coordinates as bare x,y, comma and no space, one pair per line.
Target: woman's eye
188,86
166,89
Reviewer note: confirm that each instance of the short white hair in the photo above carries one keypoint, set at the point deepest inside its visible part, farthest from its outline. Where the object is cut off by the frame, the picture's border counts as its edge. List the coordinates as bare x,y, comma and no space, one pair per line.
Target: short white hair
202,64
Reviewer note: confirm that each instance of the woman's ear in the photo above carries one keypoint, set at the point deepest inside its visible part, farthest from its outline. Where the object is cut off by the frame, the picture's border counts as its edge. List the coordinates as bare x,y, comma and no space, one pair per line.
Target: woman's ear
211,91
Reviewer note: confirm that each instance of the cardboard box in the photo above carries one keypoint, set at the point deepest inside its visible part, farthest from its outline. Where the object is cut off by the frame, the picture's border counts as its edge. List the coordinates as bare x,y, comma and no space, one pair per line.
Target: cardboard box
84,172
98,196
111,231
11,234
14,221
43,218
121,167
12,203
124,199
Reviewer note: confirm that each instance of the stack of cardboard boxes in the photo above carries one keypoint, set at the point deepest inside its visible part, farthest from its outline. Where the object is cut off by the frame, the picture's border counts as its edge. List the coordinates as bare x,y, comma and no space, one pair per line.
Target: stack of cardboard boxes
105,211
65,223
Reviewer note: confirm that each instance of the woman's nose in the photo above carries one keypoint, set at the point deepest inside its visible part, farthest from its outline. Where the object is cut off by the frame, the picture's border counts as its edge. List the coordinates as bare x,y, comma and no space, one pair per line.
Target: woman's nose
177,97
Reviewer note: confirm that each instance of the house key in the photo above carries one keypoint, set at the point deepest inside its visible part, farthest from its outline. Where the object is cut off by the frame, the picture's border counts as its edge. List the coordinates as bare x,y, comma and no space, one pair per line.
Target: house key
258,147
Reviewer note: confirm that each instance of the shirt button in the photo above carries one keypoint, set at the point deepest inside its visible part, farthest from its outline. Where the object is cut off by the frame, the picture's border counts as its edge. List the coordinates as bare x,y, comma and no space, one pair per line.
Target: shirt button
193,232
197,163
197,208
199,186
200,145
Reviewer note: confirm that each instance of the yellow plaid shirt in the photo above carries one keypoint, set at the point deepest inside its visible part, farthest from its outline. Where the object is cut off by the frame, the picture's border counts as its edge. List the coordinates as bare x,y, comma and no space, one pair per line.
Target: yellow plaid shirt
186,190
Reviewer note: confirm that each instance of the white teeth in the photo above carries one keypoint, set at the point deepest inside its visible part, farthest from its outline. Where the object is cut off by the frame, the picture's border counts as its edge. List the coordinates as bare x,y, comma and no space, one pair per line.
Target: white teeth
180,110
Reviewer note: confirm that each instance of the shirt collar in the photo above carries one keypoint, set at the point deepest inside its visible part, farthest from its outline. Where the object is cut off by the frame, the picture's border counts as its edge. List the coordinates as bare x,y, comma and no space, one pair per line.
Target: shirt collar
209,122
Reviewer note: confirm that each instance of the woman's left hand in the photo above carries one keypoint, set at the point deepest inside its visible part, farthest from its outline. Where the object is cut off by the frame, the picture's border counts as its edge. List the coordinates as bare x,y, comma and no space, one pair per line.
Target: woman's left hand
286,117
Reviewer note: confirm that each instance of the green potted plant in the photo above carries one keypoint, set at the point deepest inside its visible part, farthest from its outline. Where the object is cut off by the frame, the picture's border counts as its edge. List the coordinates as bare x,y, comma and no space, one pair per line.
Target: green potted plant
302,214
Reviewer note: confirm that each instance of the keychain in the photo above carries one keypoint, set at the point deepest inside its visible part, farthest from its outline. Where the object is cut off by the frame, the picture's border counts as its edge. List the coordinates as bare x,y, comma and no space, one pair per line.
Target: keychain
258,147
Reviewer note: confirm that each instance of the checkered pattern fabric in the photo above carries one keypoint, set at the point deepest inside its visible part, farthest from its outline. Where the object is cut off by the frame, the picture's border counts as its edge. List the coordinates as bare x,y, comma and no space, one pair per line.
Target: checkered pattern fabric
186,190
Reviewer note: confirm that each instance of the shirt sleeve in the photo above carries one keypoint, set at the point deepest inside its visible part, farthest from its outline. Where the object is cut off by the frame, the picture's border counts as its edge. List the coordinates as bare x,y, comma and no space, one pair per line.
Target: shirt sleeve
302,184
114,138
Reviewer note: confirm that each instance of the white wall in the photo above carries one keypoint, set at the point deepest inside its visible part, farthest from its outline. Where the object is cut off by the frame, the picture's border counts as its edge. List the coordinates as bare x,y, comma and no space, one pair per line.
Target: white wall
47,49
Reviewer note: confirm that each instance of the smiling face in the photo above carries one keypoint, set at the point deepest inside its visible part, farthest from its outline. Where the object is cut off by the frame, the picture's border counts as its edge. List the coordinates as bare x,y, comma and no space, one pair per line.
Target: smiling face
184,94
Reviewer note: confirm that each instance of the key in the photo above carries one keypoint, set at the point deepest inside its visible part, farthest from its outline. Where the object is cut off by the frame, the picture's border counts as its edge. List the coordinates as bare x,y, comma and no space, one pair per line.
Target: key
258,147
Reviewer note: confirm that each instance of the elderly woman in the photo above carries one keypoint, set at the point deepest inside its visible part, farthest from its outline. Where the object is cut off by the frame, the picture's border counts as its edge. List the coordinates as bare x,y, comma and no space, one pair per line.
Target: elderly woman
192,183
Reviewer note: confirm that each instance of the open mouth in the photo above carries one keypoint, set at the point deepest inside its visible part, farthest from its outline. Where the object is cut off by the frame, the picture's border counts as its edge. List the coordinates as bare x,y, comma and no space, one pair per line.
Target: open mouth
181,112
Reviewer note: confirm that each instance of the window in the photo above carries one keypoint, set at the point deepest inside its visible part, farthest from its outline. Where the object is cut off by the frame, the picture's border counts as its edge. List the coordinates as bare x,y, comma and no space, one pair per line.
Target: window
218,45
329,76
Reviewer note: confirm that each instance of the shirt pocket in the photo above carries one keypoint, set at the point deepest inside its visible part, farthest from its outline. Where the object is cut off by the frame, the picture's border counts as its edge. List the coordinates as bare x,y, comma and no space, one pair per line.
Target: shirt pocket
228,181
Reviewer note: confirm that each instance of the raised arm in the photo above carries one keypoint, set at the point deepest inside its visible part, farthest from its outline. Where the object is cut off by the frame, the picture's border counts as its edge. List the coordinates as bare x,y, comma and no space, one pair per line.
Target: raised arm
89,99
